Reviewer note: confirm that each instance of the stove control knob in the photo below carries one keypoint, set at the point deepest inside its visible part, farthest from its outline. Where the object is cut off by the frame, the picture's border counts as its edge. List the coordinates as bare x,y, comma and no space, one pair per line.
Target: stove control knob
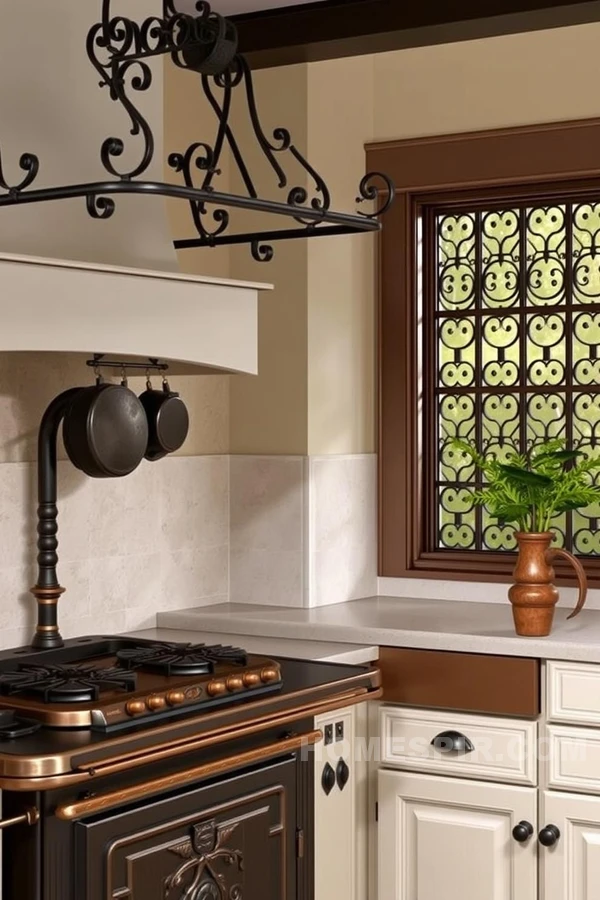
216,688
135,707
251,679
175,697
156,702
269,674
235,683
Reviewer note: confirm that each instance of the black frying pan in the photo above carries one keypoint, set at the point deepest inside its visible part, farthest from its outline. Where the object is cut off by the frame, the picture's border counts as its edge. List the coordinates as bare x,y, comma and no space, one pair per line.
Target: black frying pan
105,430
168,420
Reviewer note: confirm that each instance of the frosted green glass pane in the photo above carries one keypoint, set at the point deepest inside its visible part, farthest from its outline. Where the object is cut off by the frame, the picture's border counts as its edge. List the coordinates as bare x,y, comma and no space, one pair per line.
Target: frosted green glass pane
546,243
456,262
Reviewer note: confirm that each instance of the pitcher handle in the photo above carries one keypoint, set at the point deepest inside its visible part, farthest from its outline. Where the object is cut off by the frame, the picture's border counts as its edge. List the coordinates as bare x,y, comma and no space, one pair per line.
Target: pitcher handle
579,571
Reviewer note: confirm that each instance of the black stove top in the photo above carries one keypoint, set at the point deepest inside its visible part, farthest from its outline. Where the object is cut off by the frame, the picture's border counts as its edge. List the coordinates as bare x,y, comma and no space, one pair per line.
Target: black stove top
65,684
80,682
181,659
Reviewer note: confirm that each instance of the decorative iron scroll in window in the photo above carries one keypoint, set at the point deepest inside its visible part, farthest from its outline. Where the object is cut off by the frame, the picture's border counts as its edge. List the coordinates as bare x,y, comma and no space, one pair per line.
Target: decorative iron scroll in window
511,331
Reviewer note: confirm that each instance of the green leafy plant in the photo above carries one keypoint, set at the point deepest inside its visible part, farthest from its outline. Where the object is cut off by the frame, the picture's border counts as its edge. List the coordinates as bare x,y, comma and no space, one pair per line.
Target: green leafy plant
530,489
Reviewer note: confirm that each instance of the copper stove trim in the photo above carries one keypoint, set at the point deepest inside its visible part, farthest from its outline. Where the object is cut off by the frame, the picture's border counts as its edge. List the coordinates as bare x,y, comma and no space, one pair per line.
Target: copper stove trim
57,771
102,802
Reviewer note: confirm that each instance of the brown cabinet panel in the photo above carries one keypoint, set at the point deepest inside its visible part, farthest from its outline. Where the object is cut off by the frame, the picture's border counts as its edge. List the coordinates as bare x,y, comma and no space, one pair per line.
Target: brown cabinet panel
502,685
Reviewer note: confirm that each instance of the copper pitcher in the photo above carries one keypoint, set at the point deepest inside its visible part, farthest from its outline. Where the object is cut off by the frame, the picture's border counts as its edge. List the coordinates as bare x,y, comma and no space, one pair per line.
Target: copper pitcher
534,595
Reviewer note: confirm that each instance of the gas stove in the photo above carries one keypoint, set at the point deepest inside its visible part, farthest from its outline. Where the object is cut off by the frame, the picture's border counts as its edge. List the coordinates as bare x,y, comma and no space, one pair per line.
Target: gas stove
110,683
128,766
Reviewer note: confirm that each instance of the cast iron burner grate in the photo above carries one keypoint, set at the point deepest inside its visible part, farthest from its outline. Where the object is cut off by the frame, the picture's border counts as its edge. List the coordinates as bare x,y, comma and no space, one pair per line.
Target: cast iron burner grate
66,684
181,659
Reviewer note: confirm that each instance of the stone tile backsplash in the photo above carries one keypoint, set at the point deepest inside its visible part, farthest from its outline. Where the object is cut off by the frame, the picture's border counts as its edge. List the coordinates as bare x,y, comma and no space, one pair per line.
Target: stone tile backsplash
303,529
189,531
268,524
158,539
342,556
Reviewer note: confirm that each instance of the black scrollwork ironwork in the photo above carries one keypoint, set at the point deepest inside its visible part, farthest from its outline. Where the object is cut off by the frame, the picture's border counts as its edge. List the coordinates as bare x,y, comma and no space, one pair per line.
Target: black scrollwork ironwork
121,49
515,322
28,163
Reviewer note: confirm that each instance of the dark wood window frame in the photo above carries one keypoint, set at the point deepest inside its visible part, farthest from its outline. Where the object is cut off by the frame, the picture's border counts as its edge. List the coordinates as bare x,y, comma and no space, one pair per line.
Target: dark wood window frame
537,160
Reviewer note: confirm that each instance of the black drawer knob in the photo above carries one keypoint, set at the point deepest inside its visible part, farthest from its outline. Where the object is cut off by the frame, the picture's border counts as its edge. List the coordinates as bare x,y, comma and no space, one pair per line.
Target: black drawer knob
342,773
549,835
522,831
328,779
447,741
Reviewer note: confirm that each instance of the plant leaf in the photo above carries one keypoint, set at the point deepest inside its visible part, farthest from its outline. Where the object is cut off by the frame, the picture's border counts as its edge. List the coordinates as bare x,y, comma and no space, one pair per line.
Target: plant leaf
559,456
524,476
510,513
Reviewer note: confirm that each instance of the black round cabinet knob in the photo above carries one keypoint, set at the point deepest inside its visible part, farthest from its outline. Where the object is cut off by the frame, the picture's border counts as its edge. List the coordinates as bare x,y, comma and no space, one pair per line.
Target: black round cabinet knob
549,835
522,831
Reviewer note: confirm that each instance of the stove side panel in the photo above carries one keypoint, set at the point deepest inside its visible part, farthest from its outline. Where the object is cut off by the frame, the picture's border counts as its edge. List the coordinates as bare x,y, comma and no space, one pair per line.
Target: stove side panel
22,851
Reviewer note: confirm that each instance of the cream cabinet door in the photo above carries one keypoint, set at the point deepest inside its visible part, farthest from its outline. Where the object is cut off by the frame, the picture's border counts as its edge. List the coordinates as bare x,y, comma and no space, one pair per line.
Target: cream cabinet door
341,806
570,868
452,838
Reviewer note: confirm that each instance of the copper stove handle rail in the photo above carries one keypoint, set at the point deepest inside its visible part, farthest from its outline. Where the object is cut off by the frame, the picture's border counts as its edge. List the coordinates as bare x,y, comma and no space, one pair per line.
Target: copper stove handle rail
124,762
93,805
31,816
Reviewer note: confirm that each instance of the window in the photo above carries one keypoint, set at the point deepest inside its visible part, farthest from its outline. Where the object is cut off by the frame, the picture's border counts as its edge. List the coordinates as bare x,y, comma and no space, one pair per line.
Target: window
489,330
513,330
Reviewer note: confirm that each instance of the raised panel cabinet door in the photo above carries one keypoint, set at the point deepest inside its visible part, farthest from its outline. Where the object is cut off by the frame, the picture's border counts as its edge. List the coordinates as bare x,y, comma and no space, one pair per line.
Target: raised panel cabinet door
452,838
570,867
335,809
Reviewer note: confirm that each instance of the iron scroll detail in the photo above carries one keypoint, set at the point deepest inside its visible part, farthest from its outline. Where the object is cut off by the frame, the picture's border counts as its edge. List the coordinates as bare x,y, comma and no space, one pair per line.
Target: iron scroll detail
121,51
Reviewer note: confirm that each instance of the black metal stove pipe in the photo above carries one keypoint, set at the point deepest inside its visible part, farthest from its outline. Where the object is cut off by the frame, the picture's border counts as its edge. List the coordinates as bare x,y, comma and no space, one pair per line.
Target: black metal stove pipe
48,590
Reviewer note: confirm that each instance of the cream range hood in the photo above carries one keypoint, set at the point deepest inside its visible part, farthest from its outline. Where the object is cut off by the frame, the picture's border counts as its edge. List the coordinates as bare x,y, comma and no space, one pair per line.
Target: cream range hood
192,322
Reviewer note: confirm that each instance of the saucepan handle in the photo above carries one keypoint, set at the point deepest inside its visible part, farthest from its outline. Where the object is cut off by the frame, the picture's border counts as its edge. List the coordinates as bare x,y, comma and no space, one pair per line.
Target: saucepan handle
579,571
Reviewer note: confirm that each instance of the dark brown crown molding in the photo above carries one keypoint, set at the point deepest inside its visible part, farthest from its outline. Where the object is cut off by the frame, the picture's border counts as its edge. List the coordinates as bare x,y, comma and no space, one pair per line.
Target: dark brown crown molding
338,28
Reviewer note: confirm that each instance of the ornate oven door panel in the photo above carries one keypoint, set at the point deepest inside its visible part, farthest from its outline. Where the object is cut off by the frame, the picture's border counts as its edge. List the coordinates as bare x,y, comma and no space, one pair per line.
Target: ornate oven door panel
233,839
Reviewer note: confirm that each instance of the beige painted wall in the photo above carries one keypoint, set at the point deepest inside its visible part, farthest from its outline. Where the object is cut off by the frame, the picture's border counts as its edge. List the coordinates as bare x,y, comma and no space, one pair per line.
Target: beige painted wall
340,298
519,79
269,413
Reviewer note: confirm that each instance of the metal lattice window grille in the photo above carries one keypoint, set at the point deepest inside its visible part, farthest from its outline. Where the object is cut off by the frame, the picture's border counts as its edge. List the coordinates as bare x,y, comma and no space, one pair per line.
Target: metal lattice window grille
511,329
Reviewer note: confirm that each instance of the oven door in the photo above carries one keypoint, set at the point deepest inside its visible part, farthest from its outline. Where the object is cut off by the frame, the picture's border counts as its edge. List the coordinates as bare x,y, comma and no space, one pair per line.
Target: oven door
231,839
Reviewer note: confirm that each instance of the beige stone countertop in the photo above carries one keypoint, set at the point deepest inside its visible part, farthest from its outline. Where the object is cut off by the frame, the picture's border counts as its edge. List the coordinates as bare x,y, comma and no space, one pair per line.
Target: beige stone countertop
323,651
391,621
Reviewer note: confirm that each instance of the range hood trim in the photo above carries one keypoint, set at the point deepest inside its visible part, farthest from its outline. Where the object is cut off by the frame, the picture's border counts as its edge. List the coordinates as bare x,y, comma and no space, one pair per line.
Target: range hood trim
64,306
165,275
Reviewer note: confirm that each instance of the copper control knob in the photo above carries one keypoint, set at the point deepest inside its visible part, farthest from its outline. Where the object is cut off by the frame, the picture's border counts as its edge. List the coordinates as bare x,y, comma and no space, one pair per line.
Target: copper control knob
251,679
215,688
269,674
135,707
235,682
156,702
175,697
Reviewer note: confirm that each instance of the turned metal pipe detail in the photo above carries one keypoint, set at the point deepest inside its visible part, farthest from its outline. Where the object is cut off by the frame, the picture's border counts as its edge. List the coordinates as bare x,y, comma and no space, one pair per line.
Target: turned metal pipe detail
31,816
48,590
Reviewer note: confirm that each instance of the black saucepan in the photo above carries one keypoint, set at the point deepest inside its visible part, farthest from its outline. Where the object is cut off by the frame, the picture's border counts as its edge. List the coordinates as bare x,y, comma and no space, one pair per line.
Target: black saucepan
105,430
168,420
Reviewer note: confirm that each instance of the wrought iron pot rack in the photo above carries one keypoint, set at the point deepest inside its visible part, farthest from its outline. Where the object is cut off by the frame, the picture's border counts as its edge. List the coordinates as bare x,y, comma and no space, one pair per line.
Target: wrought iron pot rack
206,44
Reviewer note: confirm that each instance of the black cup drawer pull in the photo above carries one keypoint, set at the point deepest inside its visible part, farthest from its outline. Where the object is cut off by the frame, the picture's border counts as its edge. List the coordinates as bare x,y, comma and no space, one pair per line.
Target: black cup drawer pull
522,831
549,835
447,741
